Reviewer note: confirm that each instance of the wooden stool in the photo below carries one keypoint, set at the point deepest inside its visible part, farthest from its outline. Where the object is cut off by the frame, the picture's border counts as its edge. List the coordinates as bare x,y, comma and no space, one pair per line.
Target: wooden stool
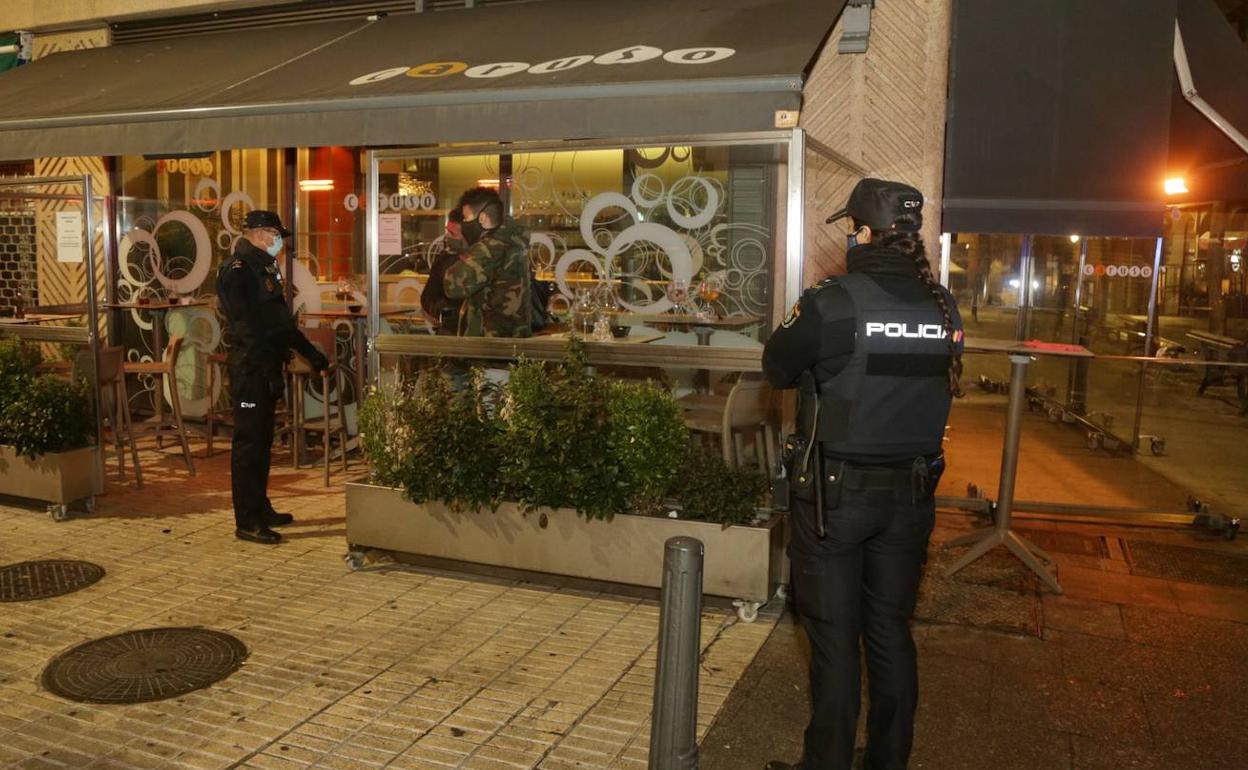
113,380
333,417
166,369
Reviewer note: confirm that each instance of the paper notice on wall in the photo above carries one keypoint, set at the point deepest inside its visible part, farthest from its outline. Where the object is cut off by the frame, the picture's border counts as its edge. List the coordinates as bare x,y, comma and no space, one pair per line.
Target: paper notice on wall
390,235
69,236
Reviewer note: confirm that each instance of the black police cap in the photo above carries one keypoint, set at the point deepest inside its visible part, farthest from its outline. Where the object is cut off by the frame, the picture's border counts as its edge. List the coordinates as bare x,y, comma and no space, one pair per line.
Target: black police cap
261,218
884,205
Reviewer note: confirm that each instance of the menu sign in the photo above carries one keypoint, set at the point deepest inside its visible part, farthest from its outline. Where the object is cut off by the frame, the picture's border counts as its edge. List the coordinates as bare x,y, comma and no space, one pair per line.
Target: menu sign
69,236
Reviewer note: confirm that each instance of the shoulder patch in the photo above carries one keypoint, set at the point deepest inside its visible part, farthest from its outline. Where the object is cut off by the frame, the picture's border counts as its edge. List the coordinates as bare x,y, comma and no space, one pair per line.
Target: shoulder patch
794,313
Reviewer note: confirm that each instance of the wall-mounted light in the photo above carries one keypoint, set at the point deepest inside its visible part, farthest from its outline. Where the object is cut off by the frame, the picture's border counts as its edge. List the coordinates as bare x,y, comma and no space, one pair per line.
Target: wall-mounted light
488,183
315,185
1074,239
1176,185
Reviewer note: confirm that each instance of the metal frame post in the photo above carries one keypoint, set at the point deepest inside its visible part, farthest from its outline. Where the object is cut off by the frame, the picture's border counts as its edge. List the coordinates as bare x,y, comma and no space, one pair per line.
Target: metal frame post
674,718
1150,334
1022,322
795,235
372,234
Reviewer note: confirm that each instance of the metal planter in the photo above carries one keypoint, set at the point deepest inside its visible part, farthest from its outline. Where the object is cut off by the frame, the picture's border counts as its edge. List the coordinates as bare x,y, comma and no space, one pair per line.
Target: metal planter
59,478
741,562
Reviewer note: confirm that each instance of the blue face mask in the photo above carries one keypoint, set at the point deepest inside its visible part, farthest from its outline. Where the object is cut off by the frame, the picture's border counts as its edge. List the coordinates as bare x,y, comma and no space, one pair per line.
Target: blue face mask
275,247
851,240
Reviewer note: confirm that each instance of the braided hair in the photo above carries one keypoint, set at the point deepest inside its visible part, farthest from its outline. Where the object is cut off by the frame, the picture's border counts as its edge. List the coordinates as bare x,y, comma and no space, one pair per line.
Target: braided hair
911,244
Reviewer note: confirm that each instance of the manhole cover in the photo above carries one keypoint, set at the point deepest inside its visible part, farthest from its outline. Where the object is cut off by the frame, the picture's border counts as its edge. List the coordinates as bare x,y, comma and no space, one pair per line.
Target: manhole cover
1187,564
147,665
45,579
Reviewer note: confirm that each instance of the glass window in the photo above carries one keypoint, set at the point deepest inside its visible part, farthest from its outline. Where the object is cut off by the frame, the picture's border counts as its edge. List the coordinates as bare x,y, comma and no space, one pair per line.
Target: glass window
677,243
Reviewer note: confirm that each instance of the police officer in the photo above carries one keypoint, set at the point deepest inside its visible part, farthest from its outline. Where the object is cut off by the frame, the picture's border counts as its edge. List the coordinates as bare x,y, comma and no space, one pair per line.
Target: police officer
492,276
262,334
877,356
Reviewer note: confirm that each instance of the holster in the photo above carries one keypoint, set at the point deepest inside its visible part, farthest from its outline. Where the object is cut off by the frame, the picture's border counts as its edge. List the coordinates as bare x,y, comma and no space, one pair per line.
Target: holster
925,476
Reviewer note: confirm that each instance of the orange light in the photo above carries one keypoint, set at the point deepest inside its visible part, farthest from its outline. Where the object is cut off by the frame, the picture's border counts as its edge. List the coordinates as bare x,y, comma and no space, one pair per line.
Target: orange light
488,183
1176,185
316,185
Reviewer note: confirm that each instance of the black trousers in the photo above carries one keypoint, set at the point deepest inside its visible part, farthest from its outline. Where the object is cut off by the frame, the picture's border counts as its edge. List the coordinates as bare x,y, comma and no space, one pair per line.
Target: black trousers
255,395
860,584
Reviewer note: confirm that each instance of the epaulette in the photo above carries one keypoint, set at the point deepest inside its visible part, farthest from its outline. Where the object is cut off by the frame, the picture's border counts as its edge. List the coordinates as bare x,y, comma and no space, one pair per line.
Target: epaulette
237,264
831,280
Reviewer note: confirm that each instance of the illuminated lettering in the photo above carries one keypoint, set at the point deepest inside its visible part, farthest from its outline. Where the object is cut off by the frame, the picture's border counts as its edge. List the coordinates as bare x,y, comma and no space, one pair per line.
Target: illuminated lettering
496,70
559,65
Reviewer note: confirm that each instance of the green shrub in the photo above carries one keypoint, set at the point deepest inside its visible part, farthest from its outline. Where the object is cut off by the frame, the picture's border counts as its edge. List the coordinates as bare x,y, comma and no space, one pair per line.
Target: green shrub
48,415
17,366
556,452
709,490
435,442
647,437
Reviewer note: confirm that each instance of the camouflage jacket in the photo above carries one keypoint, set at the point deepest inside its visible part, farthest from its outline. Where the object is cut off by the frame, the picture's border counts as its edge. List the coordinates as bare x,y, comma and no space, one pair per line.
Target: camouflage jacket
492,279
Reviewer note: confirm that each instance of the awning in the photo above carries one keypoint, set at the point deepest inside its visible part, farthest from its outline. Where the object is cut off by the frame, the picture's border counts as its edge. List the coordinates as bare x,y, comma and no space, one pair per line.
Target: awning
1059,115
1210,105
558,69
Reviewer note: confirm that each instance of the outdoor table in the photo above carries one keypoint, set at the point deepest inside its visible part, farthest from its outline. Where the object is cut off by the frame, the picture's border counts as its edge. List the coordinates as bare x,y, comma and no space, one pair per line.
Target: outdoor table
984,540
158,311
359,332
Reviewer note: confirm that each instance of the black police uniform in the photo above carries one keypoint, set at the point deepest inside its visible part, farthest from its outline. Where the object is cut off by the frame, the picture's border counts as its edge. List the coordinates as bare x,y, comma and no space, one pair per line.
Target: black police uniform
262,334
871,350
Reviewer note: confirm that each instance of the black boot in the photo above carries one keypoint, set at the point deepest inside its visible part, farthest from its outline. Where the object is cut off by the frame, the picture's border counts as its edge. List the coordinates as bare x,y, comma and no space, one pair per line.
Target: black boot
275,519
259,534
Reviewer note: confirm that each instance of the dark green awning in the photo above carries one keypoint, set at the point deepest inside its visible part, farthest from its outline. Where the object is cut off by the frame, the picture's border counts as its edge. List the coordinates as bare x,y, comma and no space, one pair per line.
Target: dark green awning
551,70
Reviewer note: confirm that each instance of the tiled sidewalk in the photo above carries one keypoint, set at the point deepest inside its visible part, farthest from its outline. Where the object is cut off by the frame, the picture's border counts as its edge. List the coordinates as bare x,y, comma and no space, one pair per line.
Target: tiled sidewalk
387,667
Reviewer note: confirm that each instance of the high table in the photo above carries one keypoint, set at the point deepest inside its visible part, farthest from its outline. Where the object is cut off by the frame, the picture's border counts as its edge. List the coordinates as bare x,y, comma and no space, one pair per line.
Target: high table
158,311
359,332
984,540
39,318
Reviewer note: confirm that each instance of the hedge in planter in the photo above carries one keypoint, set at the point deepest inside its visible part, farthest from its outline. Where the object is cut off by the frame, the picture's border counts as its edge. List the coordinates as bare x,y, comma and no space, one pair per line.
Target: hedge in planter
555,436
40,413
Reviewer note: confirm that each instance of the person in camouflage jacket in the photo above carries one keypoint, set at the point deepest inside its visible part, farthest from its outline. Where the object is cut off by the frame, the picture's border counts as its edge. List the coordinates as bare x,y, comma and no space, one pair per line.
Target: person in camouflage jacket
492,277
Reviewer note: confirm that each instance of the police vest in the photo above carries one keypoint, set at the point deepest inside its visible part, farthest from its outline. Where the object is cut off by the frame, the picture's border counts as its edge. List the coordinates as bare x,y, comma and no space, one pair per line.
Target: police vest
268,282
892,397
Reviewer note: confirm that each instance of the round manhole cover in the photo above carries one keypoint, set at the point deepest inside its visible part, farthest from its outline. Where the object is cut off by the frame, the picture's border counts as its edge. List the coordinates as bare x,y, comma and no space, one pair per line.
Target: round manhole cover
141,666
45,579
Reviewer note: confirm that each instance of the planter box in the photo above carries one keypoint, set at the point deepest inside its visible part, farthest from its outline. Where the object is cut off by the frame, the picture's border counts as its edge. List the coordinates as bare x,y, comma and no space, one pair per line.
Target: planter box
740,563
57,477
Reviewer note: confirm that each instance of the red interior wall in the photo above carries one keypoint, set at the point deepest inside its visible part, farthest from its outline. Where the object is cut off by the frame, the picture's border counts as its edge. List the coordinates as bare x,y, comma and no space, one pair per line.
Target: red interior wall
332,224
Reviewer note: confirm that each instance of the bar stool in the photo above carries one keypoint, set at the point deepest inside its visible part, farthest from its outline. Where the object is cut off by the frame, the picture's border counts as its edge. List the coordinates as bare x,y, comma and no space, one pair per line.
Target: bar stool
333,417
112,380
166,369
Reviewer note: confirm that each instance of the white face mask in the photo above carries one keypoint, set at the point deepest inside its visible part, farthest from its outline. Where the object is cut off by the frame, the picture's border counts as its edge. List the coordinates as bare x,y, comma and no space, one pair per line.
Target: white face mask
275,247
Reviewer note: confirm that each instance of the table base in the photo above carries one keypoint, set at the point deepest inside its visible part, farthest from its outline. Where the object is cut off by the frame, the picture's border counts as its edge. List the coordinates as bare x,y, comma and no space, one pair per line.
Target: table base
984,540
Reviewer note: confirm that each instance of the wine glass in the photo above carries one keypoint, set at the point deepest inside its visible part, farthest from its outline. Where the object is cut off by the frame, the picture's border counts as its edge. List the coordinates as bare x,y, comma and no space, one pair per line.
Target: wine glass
677,293
708,291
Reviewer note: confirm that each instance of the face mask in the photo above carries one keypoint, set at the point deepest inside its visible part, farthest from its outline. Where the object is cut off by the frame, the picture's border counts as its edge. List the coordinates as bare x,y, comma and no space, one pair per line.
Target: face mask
851,240
472,231
275,247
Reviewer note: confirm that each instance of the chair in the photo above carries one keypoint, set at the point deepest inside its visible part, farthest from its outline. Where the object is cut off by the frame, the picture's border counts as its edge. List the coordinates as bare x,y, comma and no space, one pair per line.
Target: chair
166,369
747,408
112,380
333,417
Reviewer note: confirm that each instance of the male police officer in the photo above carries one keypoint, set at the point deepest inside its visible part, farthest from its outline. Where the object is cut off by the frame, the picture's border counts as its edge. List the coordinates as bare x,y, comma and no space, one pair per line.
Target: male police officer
877,353
492,277
262,334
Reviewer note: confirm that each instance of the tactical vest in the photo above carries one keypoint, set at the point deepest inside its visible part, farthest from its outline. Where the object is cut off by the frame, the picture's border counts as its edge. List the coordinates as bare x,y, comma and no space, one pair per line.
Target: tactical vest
892,397
268,283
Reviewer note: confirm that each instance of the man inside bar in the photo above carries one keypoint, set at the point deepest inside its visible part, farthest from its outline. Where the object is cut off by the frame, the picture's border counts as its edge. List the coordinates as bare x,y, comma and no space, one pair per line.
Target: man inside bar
492,276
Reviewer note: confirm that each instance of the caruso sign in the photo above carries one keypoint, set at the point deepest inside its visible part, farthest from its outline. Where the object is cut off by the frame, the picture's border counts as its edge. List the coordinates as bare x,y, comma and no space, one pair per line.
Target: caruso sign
630,55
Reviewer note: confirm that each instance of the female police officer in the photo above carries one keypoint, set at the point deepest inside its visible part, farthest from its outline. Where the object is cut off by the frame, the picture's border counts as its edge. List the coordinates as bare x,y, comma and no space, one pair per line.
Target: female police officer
877,354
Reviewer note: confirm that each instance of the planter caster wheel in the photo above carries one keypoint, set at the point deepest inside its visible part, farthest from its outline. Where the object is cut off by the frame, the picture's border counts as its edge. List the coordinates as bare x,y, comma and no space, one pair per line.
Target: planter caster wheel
1055,414
59,512
1157,446
354,560
747,611
1095,440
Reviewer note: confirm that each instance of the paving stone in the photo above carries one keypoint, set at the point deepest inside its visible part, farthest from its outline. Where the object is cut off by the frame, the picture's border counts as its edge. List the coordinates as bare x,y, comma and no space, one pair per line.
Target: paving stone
391,666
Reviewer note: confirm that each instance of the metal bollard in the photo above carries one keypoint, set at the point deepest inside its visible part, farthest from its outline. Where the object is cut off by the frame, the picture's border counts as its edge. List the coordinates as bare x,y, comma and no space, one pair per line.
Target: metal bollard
674,718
